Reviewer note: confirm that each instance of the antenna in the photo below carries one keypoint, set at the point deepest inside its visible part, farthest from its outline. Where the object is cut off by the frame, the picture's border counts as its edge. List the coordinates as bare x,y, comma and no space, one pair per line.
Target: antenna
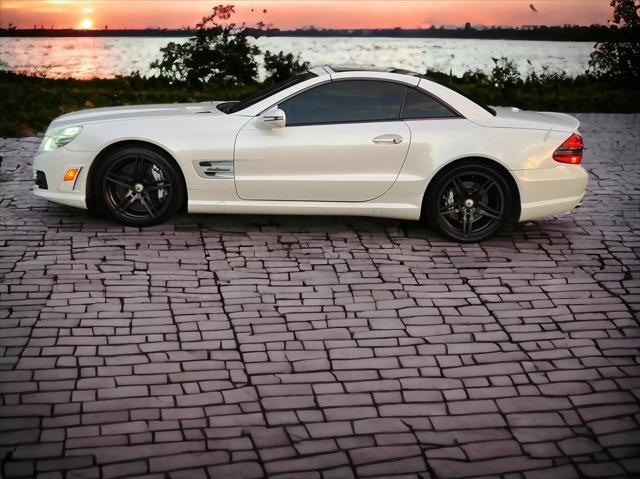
353,59
355,62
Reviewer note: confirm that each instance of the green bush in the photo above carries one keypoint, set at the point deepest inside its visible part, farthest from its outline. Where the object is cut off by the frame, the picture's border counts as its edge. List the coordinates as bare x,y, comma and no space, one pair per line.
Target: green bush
620,59
504,73
279,66
220,54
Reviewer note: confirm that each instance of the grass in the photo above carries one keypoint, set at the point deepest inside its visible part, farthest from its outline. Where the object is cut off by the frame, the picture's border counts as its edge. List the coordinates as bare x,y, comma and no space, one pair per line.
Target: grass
28,104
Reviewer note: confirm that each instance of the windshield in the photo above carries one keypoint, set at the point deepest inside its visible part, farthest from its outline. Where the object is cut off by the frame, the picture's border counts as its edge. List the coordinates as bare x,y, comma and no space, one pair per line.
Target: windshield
272,90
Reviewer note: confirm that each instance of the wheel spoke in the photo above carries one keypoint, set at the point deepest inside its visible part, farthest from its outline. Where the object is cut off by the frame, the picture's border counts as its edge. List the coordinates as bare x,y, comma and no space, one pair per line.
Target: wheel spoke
449,210
484,188
156,203
467,223
118,180
458,186
159,185
124,205
148,204
487,210
139,167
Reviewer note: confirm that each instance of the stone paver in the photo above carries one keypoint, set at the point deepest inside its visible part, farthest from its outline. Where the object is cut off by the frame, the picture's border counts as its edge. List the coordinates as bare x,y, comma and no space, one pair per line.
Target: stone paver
245,347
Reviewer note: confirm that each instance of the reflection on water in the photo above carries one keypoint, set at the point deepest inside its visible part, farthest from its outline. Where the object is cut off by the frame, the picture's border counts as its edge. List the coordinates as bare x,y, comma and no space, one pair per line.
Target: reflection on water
89,57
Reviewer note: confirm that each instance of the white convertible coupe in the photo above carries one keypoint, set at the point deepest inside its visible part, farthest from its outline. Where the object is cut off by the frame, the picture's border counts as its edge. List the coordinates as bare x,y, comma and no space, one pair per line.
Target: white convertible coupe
331,141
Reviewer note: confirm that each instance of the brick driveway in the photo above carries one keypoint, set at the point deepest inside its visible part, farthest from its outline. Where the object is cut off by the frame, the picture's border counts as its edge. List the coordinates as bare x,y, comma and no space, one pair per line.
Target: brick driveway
231,346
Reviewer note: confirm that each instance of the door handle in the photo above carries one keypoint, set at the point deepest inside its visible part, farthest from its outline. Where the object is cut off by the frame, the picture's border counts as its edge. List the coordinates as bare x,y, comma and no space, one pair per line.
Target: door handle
389,138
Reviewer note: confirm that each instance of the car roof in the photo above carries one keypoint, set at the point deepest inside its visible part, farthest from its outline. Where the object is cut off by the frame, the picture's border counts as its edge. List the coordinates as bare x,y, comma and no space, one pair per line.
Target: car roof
425,81
465,106
370,68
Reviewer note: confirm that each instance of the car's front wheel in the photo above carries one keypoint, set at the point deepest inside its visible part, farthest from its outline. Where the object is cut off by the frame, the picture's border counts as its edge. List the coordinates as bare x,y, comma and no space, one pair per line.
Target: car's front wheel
469,202
138,186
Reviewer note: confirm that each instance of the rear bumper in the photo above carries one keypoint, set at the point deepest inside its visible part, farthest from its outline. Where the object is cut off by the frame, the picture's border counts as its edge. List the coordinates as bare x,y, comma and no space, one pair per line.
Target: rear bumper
53,165
550,191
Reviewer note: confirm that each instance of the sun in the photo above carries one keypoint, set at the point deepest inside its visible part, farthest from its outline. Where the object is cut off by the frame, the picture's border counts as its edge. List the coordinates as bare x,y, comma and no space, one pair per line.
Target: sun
86,24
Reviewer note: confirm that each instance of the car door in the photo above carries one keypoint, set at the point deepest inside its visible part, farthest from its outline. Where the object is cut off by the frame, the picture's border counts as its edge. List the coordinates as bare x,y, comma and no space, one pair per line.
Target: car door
343,141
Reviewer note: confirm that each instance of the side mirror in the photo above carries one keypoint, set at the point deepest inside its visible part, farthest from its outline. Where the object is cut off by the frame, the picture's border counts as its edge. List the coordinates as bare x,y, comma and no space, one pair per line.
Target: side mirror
274,118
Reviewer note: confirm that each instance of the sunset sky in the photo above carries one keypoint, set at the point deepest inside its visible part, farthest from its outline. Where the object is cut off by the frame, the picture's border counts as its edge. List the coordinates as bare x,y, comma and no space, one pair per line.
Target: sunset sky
289,14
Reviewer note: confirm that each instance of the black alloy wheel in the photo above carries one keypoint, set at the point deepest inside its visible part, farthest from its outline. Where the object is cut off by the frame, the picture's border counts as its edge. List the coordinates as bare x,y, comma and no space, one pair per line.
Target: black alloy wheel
469,202
137,186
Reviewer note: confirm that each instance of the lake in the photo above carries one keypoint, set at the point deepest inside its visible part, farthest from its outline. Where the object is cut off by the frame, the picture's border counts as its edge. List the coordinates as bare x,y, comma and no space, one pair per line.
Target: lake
88,57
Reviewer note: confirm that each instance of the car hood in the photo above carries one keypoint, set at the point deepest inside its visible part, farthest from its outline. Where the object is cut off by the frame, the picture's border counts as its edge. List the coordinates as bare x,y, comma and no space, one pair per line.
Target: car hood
94,115
507,117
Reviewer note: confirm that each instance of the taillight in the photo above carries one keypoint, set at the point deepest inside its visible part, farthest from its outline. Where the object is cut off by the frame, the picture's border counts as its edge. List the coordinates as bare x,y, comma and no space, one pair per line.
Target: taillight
570,151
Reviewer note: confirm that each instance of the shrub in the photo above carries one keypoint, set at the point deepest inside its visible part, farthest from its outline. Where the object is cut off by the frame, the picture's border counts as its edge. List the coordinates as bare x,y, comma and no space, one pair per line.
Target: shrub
280,66
223,55
620,60
504,73
220,54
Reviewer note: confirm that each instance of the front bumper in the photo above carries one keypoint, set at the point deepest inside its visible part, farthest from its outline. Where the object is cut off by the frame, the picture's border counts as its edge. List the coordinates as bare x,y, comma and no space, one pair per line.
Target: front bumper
53,165
550,191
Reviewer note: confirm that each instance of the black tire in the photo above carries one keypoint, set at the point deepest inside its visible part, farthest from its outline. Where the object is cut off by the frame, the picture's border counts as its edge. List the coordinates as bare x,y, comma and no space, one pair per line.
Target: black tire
468,202
138,186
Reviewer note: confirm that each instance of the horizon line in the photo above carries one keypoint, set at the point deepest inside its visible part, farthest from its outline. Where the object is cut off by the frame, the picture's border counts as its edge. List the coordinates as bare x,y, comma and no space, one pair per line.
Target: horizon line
449,26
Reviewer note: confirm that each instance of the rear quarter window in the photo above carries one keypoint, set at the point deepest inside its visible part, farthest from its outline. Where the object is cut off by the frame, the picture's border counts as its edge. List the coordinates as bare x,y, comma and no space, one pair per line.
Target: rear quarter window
421,105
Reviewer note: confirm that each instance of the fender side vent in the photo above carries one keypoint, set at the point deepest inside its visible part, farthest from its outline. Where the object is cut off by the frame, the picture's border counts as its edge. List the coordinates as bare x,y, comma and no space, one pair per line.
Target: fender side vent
214,169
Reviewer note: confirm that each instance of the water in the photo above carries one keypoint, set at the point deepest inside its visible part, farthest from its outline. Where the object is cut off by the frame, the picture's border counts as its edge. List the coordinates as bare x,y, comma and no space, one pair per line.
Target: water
89,57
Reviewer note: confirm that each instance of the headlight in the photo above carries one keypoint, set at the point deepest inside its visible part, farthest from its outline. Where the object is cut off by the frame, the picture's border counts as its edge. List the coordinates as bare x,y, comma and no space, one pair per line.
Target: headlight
60,138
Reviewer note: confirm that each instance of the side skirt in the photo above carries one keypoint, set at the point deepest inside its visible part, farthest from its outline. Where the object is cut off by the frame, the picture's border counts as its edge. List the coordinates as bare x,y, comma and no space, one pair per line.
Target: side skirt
403,210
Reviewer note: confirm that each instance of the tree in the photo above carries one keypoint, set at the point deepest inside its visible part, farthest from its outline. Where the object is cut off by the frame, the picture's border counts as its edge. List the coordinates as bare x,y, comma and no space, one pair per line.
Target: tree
620,59
217,53
280,66
222,54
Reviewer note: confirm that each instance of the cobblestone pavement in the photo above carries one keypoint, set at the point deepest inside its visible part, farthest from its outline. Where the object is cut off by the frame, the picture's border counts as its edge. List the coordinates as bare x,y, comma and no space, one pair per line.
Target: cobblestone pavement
242,347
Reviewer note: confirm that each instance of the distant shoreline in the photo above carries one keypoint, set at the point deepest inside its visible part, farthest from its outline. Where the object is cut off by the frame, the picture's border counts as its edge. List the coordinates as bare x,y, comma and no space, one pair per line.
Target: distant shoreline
594,33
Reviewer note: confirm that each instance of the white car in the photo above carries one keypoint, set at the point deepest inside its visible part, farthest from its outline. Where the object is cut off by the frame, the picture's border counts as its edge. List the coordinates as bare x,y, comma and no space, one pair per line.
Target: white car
330,141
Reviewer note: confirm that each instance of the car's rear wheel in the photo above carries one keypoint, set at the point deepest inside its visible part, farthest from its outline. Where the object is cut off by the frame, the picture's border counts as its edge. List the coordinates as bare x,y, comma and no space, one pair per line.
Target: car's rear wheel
138,186
468,202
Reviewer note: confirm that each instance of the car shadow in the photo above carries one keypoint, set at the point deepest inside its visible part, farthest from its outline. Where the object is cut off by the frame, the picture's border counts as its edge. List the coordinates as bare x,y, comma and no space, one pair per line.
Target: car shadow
71,219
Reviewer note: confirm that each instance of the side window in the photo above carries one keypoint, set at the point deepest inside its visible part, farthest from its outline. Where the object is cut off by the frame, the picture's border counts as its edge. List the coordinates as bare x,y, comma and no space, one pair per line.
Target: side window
345,101
420,105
